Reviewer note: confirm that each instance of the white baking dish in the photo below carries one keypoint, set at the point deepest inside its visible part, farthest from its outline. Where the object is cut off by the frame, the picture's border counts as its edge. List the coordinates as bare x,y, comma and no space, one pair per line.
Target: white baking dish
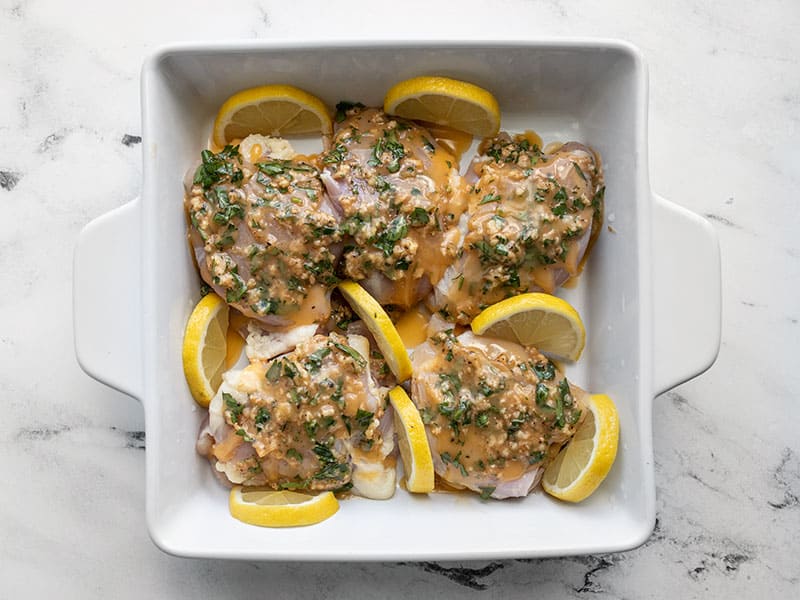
135,286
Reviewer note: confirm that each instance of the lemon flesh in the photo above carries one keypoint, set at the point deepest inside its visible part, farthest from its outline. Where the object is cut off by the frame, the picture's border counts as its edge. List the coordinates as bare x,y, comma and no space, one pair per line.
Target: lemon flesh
381,328
450,102
414,448
279,110
549,323
269,508
205,348
580,467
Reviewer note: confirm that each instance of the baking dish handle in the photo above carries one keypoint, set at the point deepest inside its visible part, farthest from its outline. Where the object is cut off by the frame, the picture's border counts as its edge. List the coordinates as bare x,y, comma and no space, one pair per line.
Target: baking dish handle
106,300
687,294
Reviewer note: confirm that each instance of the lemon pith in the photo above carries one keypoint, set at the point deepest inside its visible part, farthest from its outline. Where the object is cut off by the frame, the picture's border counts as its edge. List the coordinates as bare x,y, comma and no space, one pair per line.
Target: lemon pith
381,328
584,463
547,322
270,110
270,508
457,104
205,348
413,442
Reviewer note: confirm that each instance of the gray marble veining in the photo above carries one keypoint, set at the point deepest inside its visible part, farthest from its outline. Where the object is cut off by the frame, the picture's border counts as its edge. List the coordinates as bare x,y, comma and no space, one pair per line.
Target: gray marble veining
725,112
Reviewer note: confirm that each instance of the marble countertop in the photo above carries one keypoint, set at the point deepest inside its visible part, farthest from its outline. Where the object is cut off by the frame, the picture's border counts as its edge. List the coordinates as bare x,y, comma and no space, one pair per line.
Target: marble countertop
724,122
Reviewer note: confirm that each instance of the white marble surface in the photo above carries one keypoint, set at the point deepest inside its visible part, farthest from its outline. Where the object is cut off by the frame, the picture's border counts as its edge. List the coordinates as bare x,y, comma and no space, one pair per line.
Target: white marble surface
724,122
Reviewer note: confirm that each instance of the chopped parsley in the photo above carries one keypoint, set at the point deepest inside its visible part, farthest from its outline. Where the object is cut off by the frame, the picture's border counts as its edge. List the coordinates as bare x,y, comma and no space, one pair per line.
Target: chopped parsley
419,217
396,230
274,371
294,284
235,294
330,468
343,107
516,424
455,461
233,406
450,384
262,417
564,391
294,485
490,198
311,428
560,197
364,418
542,394
545,371
578,170
227,210
314,360
427,415
563,399
388,143
352,353
487,491
487,390
217,167
459,414
535,457
289,369
322,269
382,185
243,434
597,199
266,306
335,154
559,412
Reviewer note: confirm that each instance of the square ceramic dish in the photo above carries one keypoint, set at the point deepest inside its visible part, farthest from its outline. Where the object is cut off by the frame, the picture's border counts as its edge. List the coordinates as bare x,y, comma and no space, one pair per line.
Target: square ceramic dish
135,286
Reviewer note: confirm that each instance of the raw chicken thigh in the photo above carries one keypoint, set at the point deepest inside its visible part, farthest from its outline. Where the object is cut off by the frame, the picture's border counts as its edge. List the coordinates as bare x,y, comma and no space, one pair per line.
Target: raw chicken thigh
400,199
311,419
495,413
531,218
265,235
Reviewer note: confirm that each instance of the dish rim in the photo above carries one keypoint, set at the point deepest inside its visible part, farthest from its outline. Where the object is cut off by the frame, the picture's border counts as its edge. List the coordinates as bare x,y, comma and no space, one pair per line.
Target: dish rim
151,67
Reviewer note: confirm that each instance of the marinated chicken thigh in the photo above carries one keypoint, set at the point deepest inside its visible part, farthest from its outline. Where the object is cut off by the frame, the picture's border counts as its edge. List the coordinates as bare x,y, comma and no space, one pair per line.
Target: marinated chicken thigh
495,413
400,199
265,235
531,219
312,419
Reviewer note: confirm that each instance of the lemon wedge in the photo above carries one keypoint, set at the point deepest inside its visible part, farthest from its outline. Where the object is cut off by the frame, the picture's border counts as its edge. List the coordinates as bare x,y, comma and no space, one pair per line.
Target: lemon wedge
270,508
413,442
205,348
381,328
583,464
237,323
549,323
271,110
444,101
